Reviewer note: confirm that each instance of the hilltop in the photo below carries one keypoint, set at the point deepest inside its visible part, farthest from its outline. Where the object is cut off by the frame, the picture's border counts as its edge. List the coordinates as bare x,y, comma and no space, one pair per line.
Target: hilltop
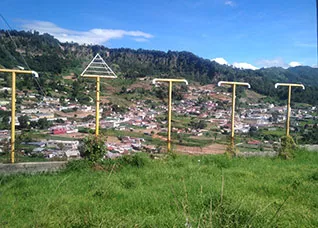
54,59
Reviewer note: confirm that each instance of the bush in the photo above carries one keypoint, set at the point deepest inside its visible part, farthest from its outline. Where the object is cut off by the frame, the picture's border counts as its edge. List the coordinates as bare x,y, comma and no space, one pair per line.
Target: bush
93,148
287,147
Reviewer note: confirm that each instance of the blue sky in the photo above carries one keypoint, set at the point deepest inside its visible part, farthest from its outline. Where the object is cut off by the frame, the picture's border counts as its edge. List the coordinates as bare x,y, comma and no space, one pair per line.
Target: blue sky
255,33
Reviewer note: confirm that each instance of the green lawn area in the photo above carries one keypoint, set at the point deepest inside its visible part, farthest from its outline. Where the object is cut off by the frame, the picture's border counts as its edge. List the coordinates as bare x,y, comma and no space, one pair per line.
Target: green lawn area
199,191
279,132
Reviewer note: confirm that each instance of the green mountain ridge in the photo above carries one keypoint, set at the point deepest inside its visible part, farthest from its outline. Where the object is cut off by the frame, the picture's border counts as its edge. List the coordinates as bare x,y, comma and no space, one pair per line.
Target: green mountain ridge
52,58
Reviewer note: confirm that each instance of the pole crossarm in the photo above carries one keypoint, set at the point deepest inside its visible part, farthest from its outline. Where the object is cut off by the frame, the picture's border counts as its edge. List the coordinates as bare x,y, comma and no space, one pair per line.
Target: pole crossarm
170,80
20,72
234,83
13,98
289,84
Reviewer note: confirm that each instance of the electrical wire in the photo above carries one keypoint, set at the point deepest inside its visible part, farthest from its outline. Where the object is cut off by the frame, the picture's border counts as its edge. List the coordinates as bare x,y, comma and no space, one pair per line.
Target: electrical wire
25,62
44,94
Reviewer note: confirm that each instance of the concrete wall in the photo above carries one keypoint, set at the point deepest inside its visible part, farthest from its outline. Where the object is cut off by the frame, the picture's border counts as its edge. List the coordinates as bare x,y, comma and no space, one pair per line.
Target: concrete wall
311,147
31,167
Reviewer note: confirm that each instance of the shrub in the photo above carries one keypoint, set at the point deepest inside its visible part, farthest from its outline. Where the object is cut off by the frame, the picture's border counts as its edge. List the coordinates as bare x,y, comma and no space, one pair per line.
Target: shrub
287,147
93,148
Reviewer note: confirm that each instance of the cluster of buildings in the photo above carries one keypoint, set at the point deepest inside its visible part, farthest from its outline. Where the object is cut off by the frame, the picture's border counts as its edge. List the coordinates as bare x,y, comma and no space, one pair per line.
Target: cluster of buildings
129,145
70,117
56,148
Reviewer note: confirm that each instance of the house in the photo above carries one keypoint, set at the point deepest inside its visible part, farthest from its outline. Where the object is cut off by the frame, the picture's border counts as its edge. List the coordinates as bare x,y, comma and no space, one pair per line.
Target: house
45,115
72,153
254,142
66,144
5,88
59,130
4,133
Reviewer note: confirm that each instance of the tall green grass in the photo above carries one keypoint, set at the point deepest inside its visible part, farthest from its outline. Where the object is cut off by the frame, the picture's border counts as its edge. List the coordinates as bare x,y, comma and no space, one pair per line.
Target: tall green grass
175,191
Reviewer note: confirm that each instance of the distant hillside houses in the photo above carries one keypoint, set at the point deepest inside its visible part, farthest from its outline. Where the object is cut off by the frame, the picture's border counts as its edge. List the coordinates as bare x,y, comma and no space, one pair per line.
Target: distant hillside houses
63,129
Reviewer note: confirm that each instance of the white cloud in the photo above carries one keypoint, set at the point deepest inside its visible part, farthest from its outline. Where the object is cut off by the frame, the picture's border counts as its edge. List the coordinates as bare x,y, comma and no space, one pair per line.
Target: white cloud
244,66
221,61
93,36
230,3
266,63
277,62
294,64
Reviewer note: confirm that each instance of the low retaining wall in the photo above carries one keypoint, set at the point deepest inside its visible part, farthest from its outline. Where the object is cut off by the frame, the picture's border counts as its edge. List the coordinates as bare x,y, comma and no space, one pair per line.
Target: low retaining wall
31,167
258,154
313,147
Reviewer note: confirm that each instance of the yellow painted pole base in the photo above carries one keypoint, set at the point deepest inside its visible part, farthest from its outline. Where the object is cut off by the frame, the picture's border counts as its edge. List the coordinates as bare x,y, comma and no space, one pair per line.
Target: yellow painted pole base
168,146
231,149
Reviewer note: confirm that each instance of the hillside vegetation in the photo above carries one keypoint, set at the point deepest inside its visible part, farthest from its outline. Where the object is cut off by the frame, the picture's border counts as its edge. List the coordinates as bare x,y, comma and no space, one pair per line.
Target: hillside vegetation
53,59
181,191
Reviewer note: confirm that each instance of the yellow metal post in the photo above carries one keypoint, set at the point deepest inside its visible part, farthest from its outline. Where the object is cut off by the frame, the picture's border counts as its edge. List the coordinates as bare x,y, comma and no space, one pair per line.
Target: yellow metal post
234,84
13,116
97,105
233,114
170,80
233,109
13,98
288,101
288,111
169,116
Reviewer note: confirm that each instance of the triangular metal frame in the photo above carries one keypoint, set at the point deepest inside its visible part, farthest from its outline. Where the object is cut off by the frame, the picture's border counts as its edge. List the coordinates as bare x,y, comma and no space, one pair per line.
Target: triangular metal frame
98,68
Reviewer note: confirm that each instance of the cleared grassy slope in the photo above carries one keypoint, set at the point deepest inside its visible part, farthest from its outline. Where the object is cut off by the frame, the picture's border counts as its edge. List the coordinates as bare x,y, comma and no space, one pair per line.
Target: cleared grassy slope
171,192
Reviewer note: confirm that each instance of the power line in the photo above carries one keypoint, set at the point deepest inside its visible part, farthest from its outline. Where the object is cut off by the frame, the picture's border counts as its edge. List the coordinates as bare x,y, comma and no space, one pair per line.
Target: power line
15,45
25,62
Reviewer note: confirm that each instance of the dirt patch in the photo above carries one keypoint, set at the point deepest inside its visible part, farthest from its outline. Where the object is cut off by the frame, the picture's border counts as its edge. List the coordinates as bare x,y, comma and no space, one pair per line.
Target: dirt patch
69,77
208,87
77,135
79,114
211,149
112,139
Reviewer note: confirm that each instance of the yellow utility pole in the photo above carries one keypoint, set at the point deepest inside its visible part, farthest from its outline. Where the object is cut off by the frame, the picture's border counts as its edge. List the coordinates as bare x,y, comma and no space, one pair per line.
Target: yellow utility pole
288,101
170,80
234,84
14,72
98,68
97,105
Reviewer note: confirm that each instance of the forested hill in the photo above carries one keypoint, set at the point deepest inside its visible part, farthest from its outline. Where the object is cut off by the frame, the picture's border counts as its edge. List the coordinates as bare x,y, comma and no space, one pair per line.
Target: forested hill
48,56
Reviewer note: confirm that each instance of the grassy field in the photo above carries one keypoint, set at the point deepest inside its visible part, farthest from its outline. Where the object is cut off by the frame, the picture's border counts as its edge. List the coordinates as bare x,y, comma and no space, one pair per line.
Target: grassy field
175,191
